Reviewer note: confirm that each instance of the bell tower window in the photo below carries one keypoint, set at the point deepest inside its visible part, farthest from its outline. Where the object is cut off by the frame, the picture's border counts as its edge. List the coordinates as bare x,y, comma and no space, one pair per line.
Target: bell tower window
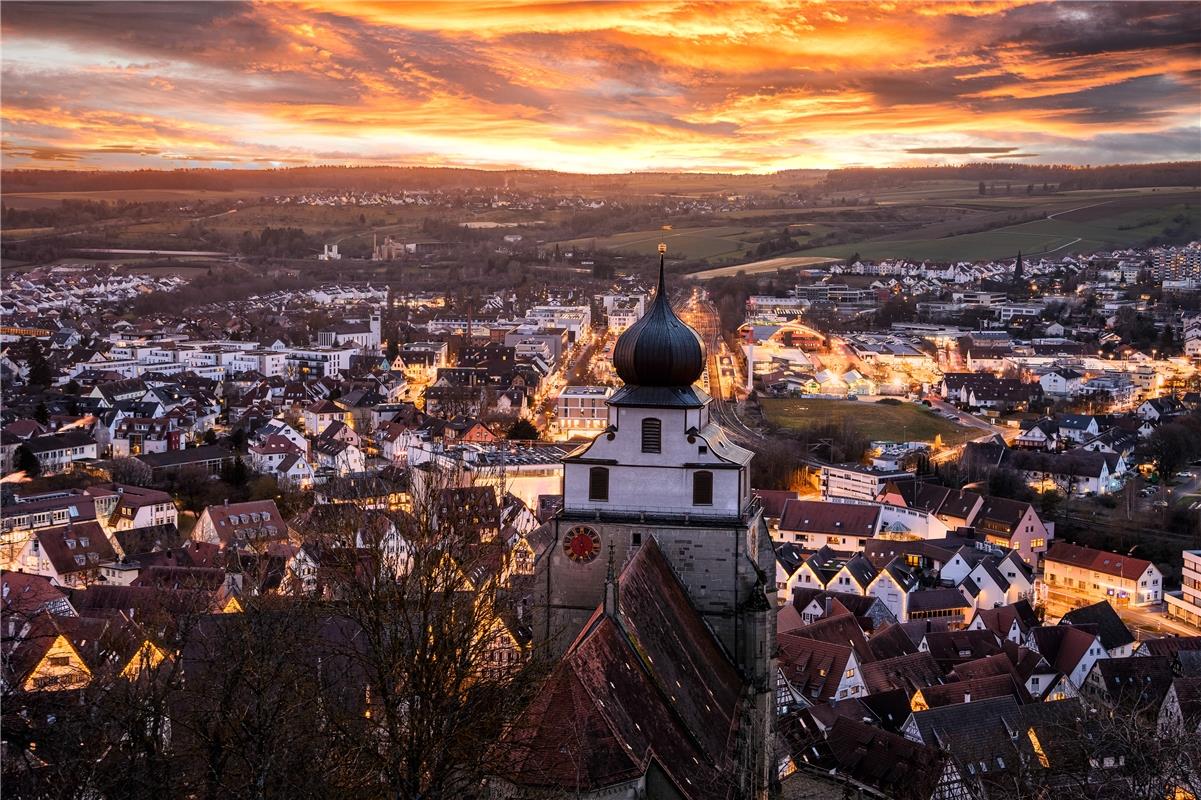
598,484
702,488
652,435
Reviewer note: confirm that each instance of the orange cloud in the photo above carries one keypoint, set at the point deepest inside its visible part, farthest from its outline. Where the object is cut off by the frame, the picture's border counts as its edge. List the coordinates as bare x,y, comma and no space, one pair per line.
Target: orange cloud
598,86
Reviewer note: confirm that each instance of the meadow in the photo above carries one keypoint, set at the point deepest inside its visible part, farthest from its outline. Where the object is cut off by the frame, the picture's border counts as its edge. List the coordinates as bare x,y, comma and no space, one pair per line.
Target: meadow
1084,224
185,196
877,421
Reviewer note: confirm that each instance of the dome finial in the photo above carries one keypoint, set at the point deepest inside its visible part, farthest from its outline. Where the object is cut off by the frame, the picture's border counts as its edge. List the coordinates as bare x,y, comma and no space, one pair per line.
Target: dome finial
662,280
659,349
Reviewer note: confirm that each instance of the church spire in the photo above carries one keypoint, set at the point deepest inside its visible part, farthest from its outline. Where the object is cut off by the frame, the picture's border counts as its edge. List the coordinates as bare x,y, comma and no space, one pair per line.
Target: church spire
661,291
659,349
611,585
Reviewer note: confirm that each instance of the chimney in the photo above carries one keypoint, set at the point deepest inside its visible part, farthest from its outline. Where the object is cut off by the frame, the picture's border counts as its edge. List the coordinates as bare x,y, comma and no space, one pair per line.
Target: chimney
227,501
967,697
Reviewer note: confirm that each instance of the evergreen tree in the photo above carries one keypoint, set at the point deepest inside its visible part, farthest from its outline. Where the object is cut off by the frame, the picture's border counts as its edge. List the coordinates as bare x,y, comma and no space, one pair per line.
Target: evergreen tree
25,461
42,414
1017,269
236,473
524,430
40,372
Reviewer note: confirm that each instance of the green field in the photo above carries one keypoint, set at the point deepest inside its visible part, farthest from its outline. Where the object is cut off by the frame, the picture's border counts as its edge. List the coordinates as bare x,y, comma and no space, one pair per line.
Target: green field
758,267
719,241
877,421
44,199
1083,225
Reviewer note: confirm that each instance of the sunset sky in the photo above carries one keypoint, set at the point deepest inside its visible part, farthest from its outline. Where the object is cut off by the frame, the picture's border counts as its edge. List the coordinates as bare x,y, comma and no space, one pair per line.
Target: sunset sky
598,87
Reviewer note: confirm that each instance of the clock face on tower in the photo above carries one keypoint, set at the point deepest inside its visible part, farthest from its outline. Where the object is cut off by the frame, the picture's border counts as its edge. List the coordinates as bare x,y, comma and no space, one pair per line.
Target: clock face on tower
582,544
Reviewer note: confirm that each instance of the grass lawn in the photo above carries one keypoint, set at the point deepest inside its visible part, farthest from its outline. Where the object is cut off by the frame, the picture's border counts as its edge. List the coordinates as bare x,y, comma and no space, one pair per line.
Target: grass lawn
877,421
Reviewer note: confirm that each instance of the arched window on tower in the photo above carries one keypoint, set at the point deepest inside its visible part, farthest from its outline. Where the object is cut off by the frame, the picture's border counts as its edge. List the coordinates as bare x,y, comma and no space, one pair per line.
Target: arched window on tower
702,488
652,435
598,484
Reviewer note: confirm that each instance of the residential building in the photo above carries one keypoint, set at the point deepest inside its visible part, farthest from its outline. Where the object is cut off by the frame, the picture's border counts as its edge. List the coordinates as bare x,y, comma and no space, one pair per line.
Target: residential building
1185,604
582,411
856,482
1075,576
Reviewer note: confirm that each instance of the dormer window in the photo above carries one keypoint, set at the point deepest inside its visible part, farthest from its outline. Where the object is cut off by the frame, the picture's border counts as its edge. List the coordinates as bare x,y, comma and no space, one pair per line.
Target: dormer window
652,435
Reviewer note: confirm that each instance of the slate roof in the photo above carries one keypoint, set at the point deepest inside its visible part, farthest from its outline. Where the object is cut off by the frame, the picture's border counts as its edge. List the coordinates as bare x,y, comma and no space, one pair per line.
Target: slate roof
1110,628
192,455
148,539
1135,683
891,764
1000,514
1169,645
939,500
891,641
937,600
59,441
975,689
979,734
857,604
908,673
954,647
1188,694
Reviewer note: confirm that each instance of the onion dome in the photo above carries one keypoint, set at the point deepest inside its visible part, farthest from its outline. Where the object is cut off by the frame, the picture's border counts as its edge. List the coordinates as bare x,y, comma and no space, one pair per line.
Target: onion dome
659,349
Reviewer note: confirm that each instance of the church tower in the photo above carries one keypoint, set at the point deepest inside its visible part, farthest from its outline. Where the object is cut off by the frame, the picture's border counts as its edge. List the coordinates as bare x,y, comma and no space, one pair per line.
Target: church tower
662,469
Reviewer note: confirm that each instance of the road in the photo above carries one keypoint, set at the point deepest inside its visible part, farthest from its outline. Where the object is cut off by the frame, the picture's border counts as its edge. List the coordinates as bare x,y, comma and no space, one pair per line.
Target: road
1146,624
700,314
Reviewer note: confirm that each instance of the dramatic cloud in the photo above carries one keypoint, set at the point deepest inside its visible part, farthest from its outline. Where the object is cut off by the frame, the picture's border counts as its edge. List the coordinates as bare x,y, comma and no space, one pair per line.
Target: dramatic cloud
597,86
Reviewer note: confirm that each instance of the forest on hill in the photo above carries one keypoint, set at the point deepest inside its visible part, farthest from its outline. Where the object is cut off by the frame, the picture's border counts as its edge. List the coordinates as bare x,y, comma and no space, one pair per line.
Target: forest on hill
1065,177
373,178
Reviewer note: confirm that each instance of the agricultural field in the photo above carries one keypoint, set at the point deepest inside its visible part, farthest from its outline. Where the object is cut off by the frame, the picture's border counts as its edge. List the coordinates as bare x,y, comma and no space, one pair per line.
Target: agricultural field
759,267
877,421
1085,224
183,196
933,220
728,241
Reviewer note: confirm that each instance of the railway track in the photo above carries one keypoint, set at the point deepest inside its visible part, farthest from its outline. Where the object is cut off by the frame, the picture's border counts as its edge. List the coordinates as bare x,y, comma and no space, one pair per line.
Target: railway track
696,310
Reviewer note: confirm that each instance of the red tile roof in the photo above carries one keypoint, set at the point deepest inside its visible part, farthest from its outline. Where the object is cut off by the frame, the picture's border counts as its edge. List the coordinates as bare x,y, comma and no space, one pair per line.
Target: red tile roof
76,547
650,682
1097,560
813,516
